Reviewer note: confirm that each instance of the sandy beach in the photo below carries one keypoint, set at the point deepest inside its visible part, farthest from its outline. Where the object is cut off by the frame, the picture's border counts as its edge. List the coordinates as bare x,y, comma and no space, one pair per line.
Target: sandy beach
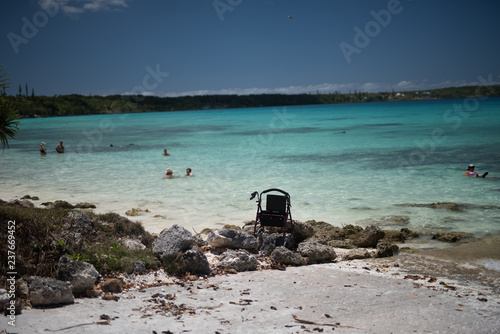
359,296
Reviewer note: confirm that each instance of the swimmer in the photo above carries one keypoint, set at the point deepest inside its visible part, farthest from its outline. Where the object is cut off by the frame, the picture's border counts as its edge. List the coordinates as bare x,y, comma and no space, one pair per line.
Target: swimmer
165,152
189,172
60,147
470,172
42,149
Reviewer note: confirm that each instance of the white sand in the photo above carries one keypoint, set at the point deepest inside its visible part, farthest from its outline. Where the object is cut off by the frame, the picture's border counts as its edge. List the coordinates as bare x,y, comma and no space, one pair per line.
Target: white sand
362,296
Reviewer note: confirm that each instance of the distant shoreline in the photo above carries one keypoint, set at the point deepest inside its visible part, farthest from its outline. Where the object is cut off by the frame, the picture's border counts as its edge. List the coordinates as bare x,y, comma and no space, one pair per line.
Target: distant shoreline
75,104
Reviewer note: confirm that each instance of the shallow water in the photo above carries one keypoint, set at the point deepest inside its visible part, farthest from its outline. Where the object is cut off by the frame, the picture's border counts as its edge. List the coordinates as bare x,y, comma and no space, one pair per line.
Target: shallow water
343,164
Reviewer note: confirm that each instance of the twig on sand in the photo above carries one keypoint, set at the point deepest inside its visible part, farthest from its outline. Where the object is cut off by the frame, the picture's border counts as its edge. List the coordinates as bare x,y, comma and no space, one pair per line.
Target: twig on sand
308,322
105,322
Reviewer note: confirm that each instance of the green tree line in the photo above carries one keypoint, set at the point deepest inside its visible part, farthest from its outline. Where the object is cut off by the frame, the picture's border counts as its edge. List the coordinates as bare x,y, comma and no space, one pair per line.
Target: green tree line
67,105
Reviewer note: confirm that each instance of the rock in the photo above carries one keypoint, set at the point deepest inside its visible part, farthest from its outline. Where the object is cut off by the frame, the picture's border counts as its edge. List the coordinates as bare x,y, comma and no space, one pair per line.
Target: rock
136,212
268,242
324,232
316,253
113,285
81,275
451,236
85,205
132,244
194,262
440,205
229,238
284,256
341,244
400,236
139,267
239,260
369,237
33,198
22,203
352,254
63,205
386,220
46,291
386,249
303,231
79,222
173,241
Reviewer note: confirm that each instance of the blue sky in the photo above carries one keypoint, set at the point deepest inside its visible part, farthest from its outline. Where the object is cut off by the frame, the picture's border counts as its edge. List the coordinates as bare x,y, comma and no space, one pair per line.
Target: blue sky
180,47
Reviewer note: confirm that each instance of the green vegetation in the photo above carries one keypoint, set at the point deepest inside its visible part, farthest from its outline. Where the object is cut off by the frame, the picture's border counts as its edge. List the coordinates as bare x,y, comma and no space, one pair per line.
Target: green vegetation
67,105
8,113
42,236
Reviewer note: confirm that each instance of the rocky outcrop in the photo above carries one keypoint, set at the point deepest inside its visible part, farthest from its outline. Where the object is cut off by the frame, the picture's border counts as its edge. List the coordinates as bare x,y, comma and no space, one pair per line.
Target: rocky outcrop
230,238
173,241
451,236
284,256
81,275
316,253
369,237
239,260
46,291
175,249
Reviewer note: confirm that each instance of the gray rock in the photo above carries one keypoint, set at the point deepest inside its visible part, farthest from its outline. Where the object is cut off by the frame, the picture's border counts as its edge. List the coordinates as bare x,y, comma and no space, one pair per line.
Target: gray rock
229,238
46,291
133,244
352,254
369,237
386,249
239,260
139,267
303,231
195,262
173,241
282,255
79,222
316,253
22,203
81,275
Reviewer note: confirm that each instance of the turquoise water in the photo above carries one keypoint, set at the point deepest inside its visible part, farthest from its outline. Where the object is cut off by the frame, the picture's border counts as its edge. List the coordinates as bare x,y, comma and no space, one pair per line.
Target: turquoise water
342,164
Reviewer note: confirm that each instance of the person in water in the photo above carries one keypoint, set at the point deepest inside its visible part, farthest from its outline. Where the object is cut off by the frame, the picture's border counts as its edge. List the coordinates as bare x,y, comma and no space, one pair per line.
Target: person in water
189,172
60,147
42,149
169,173
165,152
470,172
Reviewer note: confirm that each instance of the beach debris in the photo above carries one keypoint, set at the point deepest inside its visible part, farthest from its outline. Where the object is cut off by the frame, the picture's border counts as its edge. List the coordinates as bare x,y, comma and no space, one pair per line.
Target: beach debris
105,320
309,322
110,296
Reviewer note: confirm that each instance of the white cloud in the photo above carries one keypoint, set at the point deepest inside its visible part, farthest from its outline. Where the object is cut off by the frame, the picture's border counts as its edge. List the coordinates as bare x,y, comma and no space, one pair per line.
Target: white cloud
72,7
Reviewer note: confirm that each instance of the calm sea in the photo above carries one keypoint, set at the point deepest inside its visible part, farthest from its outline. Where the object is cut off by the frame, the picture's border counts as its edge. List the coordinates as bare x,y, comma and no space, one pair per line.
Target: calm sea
343,164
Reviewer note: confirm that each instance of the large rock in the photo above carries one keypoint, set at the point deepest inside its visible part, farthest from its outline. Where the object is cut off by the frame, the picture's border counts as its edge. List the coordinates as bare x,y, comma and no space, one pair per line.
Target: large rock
316,253
451,236
4,299
369,237
46,291
284,256
302,230
352,254
195,262
239,260
386,248
79,222
229,238
81,275
173,241
22,203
